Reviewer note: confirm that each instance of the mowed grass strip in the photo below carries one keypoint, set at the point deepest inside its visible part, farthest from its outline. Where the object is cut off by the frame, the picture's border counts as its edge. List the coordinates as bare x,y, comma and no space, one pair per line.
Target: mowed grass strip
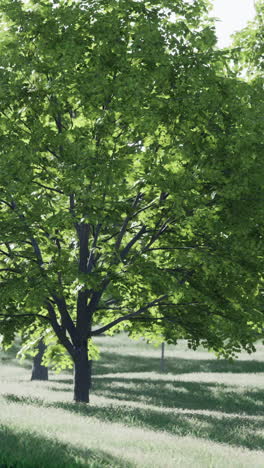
201,412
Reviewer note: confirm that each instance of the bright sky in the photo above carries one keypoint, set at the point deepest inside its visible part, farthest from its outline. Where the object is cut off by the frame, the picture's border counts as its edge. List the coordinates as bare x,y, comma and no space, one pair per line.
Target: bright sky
233,16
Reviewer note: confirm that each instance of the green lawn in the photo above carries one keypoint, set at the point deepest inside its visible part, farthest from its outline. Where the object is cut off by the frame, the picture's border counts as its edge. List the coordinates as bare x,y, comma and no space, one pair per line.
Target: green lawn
200,413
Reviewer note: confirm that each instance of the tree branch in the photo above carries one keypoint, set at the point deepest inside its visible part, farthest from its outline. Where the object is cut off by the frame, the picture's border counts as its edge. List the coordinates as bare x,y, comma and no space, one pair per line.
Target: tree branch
129,316
58,329
91,258
48,188
6,203
130,244
145,207
157,234
126,221
33,241
66,320
177,248
171,304
5,253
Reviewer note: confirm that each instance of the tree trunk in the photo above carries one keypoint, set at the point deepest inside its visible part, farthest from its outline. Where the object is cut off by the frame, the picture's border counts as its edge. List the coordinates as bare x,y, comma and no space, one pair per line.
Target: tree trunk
39,372
162,360
82,375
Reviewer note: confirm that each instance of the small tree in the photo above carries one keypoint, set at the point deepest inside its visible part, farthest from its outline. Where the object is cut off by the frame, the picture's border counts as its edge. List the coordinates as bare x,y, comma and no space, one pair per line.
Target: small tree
128,173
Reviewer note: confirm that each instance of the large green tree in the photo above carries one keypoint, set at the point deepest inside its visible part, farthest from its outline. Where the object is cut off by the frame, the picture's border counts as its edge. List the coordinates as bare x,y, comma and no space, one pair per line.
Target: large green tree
129,166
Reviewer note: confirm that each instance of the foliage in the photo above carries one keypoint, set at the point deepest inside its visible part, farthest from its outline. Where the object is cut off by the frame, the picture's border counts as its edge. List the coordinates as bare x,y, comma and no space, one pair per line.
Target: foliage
250,44
131,176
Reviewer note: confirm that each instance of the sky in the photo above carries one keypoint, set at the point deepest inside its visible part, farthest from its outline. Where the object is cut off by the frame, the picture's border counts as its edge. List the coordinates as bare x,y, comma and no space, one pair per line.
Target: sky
233,16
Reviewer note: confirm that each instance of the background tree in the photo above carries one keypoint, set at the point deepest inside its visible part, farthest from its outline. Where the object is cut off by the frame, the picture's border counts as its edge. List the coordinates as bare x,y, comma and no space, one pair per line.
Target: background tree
129,167
250,44
39,371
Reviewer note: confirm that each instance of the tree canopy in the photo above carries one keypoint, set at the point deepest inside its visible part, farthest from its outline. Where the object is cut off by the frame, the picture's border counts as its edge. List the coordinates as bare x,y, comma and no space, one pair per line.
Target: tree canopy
131,177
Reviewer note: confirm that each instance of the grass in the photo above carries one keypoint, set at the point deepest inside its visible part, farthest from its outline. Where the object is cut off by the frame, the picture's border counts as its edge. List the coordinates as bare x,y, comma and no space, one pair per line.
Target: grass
200,413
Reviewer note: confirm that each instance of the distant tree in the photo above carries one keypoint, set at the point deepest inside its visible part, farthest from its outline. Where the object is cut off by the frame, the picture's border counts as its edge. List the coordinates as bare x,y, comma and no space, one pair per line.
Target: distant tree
250,44
131,176
162,358
39,371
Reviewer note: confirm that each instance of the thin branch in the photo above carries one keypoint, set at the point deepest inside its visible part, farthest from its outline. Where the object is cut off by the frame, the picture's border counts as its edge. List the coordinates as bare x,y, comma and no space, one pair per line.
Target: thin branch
66,319
171,304
130,244
163,196
118,309
110,237
122,232
177,248
48,188
36,250
154,303
84,231
60,332
154,202
96,296
5,253
157,234
33,241
126,221
6,203
110,301
52,152
72,202
91,259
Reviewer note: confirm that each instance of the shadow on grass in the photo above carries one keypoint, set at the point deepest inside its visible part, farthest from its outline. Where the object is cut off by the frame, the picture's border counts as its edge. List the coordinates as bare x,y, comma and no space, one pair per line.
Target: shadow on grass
27,449
184,395
62,381
59,389
237,430
116,363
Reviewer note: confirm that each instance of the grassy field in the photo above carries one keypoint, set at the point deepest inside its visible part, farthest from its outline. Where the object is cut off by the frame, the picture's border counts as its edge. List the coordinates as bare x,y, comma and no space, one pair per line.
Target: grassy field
200,413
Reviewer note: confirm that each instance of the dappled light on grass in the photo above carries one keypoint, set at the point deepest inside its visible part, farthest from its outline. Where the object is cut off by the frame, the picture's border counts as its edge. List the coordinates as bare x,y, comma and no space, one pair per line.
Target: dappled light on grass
203,415
191,395
236,428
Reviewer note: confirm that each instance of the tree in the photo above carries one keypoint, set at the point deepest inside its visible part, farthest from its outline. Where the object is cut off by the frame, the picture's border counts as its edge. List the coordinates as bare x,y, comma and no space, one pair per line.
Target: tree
128,174
39,371
250,44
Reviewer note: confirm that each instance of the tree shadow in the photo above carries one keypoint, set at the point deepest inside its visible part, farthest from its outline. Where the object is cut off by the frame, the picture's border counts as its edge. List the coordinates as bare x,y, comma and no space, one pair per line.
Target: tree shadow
184,395
116,363
235,431
240,429
62,381
60,389
27,449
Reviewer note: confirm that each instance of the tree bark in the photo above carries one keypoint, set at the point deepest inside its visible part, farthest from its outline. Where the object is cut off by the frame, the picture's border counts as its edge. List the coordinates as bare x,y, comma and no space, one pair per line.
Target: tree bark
82,375
39,372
